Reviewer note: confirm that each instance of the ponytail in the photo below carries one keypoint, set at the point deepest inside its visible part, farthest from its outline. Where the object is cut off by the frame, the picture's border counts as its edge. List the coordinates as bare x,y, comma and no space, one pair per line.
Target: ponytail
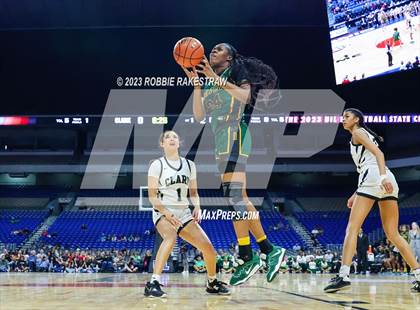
362,124
260,76
377,137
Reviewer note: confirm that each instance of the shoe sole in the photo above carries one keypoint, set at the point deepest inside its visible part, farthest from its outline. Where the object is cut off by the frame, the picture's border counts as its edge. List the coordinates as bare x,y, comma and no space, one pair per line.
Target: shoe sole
277,268
151,296
220,294
253,271
333,290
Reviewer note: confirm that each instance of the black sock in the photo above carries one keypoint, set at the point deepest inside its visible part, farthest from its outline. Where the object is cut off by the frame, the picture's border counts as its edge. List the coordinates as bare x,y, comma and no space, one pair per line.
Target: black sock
265,246
245,252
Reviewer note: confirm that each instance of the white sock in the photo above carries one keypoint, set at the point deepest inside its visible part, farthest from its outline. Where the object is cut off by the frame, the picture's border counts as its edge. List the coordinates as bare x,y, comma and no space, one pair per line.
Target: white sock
344,271
417,274
155,277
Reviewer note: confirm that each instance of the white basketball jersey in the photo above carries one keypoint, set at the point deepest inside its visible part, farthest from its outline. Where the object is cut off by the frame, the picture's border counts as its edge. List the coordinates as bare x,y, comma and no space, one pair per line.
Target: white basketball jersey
361,156
174,179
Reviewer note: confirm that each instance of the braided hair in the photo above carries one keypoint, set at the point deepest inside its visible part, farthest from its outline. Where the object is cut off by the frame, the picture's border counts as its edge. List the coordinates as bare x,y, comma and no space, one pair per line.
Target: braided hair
359,114
260,76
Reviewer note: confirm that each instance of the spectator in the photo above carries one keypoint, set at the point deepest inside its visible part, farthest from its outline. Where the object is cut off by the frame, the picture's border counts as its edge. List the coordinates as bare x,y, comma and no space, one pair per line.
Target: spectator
416,63
296,247
402,67
199,265
32,261
4,263
414,234
130,267
146,261
362,247
227,266
346,80
389,54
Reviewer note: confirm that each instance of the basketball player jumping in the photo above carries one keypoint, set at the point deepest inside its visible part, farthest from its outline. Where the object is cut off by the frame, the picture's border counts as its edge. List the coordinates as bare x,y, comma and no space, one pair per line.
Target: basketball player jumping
230,105
376,183
170,178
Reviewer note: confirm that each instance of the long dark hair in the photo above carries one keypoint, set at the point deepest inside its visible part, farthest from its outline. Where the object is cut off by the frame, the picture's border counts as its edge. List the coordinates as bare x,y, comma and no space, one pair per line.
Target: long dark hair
359,114
261,77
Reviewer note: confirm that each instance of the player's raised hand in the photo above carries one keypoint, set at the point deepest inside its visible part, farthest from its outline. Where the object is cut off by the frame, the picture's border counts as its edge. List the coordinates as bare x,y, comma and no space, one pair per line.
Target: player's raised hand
190,74
204,68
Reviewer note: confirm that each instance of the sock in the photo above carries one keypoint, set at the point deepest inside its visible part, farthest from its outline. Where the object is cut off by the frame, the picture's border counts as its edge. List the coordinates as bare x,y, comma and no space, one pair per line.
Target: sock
417,274
211,279
155,277
265,245
245,252
344,271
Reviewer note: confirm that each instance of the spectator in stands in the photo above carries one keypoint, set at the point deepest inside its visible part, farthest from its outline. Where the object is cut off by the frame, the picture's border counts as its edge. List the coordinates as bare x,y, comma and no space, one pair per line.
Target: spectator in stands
199,265
136,260
57,264
336,263
32,261
416,63
328,257
389,54
4,263
370,259
389,262
346,80
146,261
362,247
302,261
312,266
13,220
296,247
233,249
184,258
402,67
130,267
44,264
107,262
414,234
404,233
227,265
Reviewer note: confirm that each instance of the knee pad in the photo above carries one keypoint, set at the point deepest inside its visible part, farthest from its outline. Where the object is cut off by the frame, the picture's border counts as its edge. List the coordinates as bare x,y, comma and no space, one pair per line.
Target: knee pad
232,191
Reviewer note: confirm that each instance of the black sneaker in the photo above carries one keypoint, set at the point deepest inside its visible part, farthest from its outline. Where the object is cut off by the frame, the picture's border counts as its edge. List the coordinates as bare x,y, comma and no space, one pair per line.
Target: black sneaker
336,284
153,290
217,287
416,287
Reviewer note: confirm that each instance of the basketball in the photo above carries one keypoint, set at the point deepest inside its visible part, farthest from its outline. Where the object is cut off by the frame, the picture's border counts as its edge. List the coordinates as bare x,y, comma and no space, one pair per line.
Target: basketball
188,52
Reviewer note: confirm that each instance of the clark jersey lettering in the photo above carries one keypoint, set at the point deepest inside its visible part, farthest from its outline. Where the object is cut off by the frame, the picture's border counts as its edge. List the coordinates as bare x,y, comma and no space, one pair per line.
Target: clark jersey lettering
174,178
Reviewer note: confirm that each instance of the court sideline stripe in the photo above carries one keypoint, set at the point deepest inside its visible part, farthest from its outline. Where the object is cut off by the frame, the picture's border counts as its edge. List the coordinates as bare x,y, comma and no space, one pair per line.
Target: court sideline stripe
336,303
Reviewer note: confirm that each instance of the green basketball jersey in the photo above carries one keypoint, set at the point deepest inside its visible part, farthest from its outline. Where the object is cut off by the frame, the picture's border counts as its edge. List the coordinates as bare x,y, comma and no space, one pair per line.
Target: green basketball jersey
223,108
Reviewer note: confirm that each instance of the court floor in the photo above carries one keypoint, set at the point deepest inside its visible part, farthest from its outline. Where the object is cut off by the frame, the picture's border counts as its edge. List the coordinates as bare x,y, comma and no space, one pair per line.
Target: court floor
359,54
125,291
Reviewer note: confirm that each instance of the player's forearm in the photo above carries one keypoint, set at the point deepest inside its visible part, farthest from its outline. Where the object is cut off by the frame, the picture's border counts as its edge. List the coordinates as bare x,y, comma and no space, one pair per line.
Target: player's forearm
380,159
198,109
241,94
157,205
195,200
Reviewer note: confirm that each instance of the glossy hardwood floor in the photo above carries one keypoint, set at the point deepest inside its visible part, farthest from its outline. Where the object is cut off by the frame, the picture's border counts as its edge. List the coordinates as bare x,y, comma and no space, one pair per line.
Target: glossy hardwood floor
125,291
